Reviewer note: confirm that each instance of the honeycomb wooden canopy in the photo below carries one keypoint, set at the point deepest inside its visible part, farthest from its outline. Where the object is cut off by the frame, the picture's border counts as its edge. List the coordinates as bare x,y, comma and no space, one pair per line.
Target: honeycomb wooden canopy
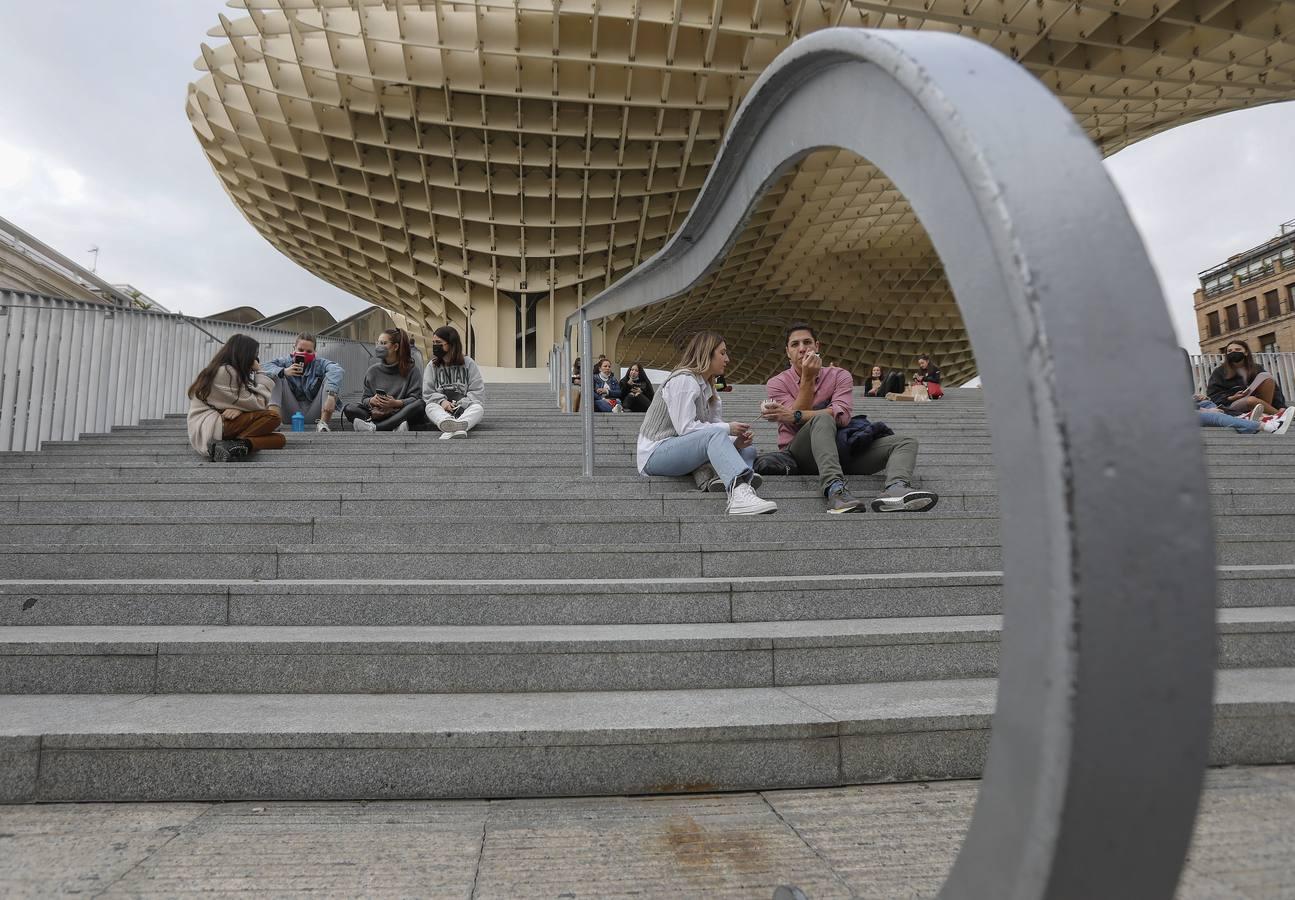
494,164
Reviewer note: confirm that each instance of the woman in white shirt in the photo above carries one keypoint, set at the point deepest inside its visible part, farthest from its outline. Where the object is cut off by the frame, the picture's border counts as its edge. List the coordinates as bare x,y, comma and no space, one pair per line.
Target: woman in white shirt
684,428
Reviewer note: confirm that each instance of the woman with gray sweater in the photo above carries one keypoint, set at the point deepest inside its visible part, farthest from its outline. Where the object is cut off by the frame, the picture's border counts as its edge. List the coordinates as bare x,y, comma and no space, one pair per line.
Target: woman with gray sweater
392,398
453,389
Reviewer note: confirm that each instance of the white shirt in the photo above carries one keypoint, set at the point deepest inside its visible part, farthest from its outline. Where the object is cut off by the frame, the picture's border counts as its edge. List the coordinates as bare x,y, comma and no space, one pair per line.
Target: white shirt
683,400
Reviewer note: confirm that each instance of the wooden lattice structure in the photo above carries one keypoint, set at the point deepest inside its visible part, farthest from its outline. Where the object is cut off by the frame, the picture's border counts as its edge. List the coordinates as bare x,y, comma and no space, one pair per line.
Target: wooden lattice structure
496,163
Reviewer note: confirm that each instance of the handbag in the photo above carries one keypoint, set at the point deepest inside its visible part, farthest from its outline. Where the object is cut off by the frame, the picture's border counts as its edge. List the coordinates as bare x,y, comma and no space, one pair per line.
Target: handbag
934,391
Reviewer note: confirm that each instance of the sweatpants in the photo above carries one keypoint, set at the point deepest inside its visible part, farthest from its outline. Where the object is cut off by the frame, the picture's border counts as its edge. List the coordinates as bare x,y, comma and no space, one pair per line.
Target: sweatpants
287,401
414,413
472,416
259,429
814,448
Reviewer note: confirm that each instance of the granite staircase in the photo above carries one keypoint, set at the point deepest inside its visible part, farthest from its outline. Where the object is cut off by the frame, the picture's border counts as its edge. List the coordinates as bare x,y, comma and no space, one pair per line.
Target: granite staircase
391,615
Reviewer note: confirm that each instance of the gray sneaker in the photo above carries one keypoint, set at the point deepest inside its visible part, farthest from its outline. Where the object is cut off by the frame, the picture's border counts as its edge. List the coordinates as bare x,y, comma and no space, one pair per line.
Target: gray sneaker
842,501
708,480
901,497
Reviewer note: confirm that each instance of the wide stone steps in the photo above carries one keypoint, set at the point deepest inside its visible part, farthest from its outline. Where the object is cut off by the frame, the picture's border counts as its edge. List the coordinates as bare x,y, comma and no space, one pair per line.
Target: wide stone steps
392,615
121,747
523,658
598,601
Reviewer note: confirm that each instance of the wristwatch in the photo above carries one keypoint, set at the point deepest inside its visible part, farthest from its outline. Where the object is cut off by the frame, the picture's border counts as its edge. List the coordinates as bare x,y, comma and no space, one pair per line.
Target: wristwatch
797,417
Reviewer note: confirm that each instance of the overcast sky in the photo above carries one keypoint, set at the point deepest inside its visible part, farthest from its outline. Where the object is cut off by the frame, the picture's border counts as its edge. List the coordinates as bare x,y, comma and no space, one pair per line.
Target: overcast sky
96,150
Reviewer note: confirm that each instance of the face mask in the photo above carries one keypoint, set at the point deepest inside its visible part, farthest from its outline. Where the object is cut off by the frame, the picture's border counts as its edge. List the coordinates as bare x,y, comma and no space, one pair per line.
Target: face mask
304,358
1236,356
438,352
380,351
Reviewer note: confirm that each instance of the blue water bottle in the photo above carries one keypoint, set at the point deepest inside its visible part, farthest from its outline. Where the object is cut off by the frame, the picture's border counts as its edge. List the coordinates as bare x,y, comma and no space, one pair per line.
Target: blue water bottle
298,421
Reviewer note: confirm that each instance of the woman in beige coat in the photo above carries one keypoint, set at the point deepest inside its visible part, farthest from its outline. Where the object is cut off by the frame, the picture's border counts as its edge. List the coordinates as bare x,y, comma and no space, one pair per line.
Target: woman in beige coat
228,410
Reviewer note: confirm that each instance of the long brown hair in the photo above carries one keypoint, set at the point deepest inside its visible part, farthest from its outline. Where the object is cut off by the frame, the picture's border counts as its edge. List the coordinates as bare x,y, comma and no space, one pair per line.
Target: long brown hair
404,356
1249,363
239,353
453,356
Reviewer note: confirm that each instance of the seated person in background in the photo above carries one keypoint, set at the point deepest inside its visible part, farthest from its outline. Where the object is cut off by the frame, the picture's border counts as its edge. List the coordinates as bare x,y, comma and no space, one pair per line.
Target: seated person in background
575,381
229,416
305,383
453,389
880,383
1254,423
607,390
809,402
684,428
636,390
393,388
1240,384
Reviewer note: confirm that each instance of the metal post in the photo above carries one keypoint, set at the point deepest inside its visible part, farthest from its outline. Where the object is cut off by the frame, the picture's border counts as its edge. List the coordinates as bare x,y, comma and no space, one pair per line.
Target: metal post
566,366
587,405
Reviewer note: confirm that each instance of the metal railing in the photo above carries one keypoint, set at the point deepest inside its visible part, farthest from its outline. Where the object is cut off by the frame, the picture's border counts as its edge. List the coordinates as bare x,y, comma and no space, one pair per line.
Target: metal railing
70,367
1101,731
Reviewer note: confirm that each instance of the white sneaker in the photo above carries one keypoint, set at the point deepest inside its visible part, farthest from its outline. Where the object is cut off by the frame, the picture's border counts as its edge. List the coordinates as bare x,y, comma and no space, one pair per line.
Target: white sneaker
447,435
1269,425
364,425
403,426
1257,414
742,501
1284,420
463,433
449,426
322,426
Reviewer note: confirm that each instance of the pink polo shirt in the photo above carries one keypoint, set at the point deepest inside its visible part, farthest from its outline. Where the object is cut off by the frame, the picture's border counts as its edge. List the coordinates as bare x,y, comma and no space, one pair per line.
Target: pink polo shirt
833,384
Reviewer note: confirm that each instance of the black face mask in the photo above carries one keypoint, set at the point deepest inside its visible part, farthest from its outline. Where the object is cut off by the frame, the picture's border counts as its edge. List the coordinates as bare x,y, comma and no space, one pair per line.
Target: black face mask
438,352
1236,356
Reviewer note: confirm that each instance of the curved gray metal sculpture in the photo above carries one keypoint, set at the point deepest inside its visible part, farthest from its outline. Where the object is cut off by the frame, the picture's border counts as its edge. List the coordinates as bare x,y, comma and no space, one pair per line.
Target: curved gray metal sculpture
1104,701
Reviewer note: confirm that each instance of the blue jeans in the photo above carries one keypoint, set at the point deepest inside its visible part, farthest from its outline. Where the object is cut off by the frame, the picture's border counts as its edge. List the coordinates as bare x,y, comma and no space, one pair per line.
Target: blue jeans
687,453
1212,418
601,405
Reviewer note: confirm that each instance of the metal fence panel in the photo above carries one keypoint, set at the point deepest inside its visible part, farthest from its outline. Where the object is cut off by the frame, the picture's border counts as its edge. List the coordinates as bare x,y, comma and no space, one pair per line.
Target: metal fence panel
69,368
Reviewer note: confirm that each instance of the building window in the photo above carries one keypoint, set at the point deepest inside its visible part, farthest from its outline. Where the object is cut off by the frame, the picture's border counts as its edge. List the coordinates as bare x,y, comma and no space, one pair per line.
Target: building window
1219,284
1268,343
1212,321
1234,321
1288,259
1252,310
1260,268
1272,305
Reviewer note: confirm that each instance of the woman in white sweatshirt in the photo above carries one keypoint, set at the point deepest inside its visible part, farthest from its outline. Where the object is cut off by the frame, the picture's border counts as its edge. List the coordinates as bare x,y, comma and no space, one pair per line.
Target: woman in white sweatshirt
453,389
684,428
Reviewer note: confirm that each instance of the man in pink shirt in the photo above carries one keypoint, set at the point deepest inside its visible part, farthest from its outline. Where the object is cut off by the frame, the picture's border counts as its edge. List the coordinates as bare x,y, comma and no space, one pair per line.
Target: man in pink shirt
809,401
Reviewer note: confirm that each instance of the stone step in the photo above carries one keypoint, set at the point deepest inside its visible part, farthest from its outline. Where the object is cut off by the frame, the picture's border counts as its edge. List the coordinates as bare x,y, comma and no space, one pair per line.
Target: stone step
227,659
527,601
129,747
384,530
855,556
560,495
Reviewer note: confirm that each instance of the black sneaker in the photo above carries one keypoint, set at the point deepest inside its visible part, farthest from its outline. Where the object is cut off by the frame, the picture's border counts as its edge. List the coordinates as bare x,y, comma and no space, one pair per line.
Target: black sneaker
228,451
902,498
842,501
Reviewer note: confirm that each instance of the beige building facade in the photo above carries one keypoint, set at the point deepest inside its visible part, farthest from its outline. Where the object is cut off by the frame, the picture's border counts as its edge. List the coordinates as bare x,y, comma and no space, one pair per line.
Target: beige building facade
1250,297
496,165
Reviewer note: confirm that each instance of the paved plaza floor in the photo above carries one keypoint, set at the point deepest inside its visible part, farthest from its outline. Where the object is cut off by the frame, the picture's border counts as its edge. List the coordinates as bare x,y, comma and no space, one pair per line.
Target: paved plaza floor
877,841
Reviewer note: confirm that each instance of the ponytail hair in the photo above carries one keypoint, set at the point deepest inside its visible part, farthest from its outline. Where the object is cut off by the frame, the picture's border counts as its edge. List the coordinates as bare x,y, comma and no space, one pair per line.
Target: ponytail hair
399,338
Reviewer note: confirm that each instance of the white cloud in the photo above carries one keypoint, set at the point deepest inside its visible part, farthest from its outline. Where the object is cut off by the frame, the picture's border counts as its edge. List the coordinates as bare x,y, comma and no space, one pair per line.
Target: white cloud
15,166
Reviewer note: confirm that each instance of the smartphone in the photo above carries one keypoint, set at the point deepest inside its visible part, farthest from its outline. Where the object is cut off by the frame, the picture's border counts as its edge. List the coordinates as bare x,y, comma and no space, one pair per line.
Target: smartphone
382,394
